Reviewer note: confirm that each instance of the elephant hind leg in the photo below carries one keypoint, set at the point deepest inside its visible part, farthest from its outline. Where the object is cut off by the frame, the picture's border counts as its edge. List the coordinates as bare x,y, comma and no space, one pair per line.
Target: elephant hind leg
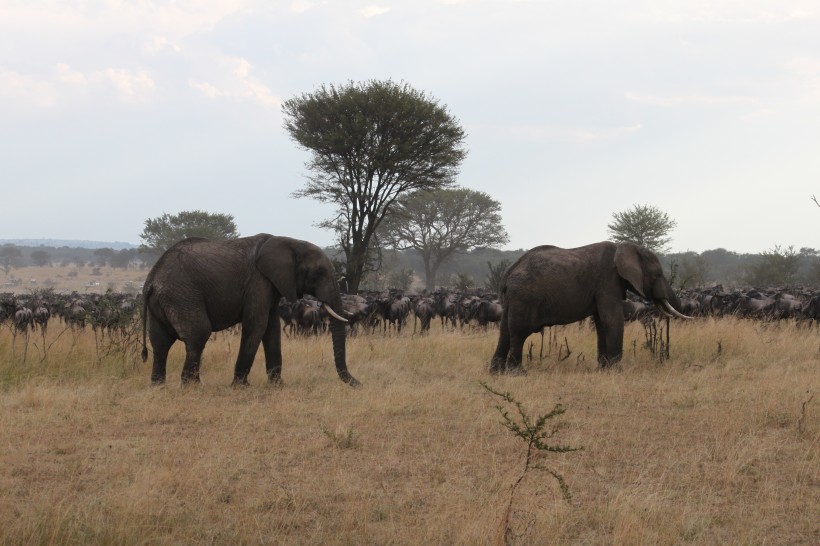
514,357
498,364
193,358
161,342
513,332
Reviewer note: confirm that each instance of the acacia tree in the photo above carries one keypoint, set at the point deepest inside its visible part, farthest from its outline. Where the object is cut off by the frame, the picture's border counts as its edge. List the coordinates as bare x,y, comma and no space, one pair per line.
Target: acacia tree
40,257
441,223
104,255
776,267
10,256
162,233
370,143
495,274
644,225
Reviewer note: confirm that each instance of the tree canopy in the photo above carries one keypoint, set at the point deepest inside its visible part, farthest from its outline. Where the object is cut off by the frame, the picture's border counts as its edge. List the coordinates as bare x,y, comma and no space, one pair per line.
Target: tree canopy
495,274
10,256
163,232
370,143
644,225
443,222
40,257
776,267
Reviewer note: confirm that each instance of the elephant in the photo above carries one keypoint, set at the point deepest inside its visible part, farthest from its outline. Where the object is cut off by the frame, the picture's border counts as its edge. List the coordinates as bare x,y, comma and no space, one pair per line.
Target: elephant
548,286
199,286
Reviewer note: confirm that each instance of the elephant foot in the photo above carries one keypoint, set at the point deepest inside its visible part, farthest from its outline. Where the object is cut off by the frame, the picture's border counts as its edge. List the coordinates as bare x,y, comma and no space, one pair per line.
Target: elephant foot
240,383
497,366
516,370
349,379
157,381
274,381
605,363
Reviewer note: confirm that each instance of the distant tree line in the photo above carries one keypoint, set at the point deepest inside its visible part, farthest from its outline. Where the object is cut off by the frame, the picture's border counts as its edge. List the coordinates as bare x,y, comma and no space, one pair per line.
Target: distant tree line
483,267
13,256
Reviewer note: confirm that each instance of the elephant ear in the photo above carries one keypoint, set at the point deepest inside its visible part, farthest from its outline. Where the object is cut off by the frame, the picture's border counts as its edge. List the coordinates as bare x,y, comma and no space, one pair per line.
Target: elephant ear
276,260
628,264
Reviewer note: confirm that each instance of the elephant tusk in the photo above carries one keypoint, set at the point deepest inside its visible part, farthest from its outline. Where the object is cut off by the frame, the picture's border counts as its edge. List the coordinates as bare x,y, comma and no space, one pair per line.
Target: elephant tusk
665,313
333,314
671,310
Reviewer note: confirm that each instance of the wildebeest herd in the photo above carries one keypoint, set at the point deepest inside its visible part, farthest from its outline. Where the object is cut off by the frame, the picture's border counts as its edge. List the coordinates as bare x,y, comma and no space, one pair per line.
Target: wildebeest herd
765,304
33,310
386,311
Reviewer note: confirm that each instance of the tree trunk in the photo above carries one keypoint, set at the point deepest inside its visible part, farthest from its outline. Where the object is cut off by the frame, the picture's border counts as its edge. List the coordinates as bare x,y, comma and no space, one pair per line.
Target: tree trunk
354,269
430,274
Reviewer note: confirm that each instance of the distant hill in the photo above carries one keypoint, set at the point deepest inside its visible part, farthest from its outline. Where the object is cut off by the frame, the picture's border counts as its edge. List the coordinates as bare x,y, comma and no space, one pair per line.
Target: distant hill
57,243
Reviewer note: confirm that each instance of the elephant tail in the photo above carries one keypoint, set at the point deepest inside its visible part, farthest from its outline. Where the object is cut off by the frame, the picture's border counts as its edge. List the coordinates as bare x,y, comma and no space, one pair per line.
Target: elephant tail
145,297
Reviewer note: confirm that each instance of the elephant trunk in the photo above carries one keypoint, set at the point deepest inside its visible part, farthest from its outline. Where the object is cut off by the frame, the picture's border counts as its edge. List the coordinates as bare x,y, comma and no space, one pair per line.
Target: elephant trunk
337,331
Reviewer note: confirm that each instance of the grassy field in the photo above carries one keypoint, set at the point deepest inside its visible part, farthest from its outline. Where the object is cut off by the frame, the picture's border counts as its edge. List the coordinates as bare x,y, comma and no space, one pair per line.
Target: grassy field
70,278
717,446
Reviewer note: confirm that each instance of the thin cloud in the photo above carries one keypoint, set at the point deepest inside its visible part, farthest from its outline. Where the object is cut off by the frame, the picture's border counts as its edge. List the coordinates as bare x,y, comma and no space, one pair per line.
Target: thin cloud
206,88
373,11
21,89
131,86
157,44
69,76
301,6
238,83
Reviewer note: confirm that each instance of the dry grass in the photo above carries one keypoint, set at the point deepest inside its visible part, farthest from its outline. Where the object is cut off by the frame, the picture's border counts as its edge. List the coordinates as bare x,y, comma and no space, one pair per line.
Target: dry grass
71,278
710,448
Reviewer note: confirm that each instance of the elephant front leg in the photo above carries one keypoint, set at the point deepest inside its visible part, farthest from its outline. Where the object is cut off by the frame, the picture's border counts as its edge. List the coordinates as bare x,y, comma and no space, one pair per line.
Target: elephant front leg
248,345
272,345
610,332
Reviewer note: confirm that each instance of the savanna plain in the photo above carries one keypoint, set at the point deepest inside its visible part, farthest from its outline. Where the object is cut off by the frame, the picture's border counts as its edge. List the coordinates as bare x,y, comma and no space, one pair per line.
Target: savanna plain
718,445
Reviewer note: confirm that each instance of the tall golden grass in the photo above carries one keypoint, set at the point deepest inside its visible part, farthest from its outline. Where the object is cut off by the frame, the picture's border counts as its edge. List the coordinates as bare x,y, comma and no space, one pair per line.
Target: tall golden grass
719,445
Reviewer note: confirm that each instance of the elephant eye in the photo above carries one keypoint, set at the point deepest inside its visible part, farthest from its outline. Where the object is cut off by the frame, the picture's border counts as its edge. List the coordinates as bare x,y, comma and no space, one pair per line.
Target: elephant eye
316,275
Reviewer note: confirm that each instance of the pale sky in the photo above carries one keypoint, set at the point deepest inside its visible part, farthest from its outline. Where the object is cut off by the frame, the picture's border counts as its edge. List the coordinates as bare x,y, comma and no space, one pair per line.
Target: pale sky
114,111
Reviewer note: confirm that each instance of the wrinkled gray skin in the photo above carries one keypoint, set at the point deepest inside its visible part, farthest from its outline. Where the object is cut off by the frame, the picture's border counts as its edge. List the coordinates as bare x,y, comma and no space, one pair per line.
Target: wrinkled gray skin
548,286
200,286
